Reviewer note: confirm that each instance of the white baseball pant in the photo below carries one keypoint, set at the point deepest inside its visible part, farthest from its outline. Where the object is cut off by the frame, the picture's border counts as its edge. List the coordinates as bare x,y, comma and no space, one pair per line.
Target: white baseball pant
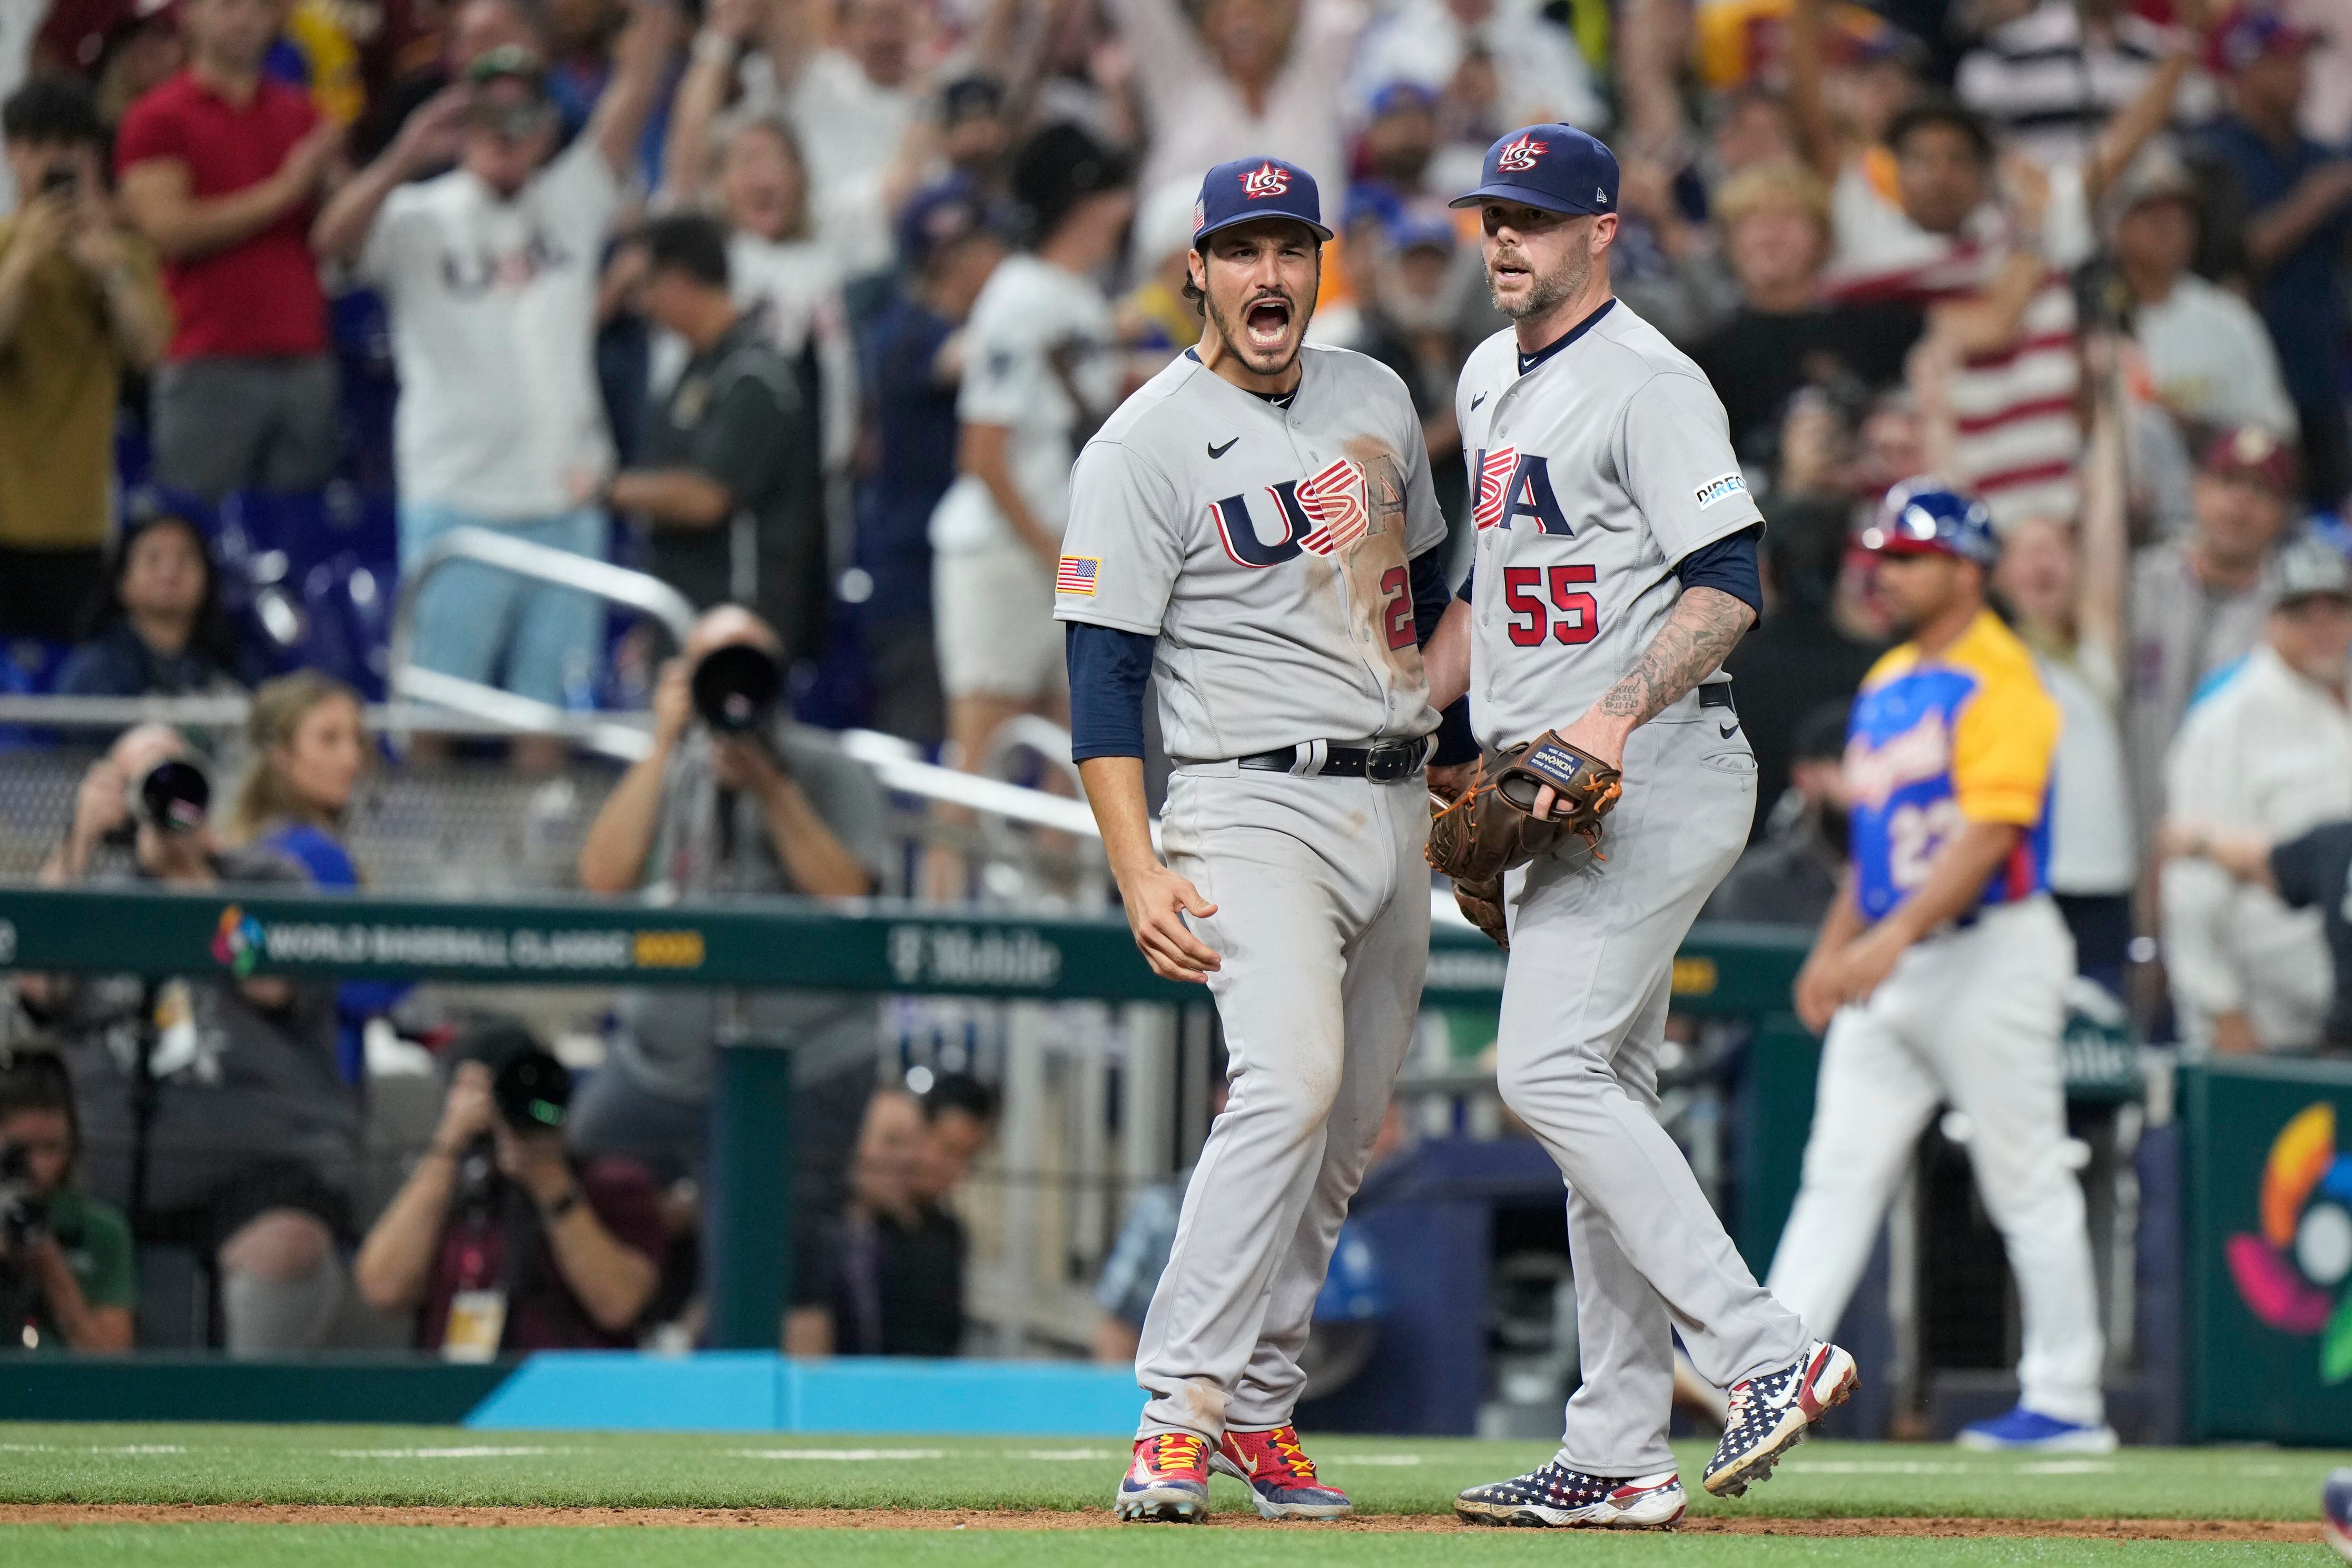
1971,1017
1322,923
1584,1013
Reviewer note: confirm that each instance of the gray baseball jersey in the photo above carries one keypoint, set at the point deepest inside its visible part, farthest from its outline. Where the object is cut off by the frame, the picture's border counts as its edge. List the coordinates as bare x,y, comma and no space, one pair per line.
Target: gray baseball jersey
1265,546
1594,474
1597,471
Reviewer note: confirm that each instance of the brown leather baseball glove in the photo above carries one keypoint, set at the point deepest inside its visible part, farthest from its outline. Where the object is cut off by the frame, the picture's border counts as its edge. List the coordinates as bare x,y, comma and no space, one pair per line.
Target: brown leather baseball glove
1487,830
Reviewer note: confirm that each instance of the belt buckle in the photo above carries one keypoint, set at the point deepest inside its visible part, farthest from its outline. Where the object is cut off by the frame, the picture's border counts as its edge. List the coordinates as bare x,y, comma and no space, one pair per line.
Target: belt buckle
1387,764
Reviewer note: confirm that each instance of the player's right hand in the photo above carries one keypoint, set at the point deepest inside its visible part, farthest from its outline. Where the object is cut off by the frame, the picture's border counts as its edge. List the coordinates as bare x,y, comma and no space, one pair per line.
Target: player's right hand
1157,901
1817,996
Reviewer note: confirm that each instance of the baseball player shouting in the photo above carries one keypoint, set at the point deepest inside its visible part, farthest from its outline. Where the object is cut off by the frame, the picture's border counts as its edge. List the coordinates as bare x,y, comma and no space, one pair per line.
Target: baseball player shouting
1941,970
1255,527
1615,568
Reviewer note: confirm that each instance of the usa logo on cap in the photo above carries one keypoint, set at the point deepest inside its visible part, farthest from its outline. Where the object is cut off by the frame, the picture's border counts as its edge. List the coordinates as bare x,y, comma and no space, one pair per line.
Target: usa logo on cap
1520,155
1264,180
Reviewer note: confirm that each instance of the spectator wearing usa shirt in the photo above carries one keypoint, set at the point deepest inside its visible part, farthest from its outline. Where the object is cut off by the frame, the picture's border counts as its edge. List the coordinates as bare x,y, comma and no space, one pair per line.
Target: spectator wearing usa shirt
219,166
490,275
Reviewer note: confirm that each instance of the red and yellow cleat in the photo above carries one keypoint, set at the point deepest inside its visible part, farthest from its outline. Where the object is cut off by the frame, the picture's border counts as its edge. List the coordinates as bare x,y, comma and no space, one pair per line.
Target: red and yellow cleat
1280,1476
1169,1482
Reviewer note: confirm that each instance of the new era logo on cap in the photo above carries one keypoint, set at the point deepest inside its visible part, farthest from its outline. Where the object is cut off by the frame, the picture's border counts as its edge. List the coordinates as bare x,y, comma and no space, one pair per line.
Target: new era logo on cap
1521,156
1264,180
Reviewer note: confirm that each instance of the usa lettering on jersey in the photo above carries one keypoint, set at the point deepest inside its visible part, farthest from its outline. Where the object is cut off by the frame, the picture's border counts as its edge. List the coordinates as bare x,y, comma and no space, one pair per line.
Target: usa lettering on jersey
1324,513
1513,484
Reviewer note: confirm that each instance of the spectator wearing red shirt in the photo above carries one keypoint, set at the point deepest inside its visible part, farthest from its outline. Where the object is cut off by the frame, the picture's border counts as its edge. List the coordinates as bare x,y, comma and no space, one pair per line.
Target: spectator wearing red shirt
501,1240
219,168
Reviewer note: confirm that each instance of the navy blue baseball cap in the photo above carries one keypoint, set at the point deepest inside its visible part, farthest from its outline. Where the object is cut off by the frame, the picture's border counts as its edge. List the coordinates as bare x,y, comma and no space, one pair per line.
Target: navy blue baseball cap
1248,189
1556,167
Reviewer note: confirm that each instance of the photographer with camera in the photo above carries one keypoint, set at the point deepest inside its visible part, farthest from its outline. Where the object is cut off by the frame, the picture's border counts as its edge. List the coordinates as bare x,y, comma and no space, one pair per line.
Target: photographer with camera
79,304
68,1281
730,804
501,1237
211,1108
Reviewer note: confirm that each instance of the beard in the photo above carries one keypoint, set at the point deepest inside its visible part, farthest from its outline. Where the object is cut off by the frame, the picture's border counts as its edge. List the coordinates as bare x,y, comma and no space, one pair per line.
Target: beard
1546,290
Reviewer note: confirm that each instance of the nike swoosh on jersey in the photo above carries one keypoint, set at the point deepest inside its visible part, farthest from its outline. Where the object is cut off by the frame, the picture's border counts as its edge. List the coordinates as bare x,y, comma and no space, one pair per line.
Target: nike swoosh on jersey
1730,729
1476,401
1216,451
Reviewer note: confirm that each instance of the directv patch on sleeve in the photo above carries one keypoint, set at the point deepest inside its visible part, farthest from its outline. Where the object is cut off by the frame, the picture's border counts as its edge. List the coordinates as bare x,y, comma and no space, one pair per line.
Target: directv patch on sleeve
1719,489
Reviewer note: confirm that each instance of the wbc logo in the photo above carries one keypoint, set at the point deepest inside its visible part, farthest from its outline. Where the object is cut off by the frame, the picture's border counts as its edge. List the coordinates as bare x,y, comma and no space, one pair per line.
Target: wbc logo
1519,156
1264,180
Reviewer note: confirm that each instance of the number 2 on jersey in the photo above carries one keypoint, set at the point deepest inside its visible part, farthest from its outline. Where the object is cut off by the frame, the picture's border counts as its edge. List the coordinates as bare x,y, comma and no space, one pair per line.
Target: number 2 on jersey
1913,834
1531,617
1396,612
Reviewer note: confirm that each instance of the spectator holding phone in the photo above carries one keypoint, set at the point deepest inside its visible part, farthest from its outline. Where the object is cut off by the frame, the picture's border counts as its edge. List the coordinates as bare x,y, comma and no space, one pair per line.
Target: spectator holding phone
68,1277
80,305
219,167
490,275
501,1240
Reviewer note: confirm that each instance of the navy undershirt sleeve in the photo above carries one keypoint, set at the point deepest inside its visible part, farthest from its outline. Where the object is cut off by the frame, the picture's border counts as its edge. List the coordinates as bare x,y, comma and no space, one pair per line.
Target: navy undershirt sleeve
1453,742
1462,593
1429,597
1109,668
1727,565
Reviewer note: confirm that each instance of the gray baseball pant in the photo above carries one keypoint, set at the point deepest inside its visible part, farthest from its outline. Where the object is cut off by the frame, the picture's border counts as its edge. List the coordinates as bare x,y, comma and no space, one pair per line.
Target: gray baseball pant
1584,1012
1322,923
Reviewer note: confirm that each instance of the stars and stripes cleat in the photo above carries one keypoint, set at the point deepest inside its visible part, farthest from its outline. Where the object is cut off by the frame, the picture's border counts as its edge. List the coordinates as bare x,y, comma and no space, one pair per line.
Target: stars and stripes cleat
1560,1497
2029,1431
1771,1414
2336,1512
1279,1475
1169,1482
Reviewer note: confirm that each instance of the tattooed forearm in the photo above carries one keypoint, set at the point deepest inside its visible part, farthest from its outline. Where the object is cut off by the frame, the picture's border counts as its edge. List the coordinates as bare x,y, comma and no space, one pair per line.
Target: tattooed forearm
1706,626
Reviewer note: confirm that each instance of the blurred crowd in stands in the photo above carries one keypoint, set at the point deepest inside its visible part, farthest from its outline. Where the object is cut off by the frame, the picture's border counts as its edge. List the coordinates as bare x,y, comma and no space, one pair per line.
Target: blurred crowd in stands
804,305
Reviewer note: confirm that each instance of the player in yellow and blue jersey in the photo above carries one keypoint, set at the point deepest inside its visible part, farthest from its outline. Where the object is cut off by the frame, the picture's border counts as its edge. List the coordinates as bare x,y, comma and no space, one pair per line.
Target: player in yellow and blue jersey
1940,973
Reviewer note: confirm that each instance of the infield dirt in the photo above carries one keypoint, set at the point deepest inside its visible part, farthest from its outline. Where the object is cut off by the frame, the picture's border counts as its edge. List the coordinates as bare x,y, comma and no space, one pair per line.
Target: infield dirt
2118,1530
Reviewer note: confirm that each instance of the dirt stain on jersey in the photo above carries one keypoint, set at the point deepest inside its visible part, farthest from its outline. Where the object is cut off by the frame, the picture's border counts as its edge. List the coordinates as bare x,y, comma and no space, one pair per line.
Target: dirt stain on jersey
1371,561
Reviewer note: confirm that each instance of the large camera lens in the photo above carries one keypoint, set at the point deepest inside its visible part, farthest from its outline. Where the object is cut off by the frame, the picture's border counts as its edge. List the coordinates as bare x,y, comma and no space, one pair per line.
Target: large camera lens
736,688
175,797
532,1093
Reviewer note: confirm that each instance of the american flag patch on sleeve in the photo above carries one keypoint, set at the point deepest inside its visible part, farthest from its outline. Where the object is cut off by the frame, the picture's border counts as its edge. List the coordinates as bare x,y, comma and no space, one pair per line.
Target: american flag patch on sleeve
1078,574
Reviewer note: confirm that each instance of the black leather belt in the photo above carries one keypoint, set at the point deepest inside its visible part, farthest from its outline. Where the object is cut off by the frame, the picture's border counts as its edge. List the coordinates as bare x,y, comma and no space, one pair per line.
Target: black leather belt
1383,764
1717,695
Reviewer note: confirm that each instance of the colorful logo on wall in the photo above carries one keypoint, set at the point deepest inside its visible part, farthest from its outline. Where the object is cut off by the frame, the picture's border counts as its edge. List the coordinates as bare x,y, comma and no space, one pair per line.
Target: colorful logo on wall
2291,1276
237,941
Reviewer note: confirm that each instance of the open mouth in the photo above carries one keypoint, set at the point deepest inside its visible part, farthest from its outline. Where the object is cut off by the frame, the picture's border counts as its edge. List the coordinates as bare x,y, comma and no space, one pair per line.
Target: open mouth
1509,268
1267,322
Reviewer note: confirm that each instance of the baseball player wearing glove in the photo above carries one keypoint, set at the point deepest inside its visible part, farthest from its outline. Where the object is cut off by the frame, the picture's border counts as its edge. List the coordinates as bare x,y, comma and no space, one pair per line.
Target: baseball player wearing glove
1615,566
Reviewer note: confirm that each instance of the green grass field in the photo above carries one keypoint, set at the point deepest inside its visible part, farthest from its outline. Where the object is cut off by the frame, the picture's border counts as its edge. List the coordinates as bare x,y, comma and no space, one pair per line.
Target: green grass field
416,1467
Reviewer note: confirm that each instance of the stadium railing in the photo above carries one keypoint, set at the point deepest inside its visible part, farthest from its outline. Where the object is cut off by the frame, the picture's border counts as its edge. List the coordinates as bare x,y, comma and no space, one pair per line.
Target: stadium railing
1026,963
